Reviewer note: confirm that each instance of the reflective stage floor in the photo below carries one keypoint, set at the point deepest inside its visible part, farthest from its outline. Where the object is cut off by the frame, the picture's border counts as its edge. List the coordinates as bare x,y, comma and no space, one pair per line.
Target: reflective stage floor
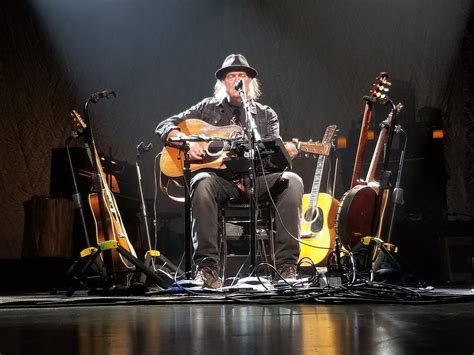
213,323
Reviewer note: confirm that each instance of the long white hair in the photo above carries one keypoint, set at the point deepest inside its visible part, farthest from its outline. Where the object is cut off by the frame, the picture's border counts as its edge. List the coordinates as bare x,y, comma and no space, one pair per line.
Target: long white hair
253,93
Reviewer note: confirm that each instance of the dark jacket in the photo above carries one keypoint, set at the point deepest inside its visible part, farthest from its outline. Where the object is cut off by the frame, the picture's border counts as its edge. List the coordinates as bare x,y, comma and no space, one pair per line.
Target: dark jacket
212,111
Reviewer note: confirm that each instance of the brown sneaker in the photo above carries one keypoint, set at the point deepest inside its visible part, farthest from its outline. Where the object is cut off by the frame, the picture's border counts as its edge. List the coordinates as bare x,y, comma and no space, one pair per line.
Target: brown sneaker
209,277
287,271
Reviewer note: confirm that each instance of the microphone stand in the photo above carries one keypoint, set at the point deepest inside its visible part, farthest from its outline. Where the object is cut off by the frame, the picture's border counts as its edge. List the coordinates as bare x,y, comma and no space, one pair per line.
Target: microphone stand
79,205
397,191
152,252
96,181
385,185
77,198
187,210
107,274
162,280
141,148
255,137
183,145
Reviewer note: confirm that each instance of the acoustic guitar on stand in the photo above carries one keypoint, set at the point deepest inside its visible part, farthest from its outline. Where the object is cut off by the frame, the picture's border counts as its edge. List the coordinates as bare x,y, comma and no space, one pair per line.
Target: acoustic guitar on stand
318,215
113,221
370,179
356,211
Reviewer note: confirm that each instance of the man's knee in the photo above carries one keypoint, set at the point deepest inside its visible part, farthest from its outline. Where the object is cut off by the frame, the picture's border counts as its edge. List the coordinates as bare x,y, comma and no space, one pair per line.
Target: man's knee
293,182
203,182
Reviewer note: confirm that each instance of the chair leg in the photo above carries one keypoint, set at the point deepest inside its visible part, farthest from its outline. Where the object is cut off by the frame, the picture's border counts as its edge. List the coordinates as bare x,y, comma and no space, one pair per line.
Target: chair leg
223,245
271,237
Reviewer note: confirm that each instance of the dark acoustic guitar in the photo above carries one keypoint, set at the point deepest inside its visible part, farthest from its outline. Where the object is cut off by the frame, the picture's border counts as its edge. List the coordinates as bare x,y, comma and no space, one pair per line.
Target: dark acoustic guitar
114,224
356,211
371,180
318,215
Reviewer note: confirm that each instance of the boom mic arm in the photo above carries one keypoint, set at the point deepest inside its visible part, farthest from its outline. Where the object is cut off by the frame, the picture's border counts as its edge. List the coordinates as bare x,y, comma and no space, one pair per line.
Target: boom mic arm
144,148
101,94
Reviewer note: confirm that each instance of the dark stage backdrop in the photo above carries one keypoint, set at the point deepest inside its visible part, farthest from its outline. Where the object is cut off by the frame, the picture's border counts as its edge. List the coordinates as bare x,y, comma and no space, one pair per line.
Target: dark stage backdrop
316,60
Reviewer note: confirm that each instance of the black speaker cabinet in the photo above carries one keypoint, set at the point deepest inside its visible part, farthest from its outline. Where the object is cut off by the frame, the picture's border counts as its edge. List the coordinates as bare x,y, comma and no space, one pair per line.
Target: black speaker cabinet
458,258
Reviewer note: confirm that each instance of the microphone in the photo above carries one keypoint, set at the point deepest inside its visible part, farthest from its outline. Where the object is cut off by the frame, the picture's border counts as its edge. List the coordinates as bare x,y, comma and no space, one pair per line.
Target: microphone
142,148
99,95
239,85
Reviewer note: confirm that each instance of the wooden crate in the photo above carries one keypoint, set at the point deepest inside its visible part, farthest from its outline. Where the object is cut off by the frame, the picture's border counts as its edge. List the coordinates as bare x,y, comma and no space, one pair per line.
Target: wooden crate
48,230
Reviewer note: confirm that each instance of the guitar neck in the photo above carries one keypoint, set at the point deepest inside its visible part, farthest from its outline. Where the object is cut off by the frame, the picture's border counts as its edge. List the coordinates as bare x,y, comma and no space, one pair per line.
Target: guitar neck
313,199
328,137
314,148
378,150
362,144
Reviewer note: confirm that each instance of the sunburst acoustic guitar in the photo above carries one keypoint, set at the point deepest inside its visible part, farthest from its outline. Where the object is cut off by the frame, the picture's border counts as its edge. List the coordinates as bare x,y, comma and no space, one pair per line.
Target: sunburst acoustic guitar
217,147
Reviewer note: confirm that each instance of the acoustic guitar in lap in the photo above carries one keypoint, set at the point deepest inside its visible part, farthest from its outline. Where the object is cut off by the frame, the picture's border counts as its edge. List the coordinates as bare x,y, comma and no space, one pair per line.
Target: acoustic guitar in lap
217,147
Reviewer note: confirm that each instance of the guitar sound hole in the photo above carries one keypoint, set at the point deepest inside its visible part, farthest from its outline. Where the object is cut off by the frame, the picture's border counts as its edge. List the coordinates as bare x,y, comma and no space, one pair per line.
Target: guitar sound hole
314,216
310,215
215,148
317,225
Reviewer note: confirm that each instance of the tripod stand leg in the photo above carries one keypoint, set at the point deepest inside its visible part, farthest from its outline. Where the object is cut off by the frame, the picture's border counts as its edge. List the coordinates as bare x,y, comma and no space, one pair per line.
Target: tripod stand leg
90,254
149,264
386,250
163,281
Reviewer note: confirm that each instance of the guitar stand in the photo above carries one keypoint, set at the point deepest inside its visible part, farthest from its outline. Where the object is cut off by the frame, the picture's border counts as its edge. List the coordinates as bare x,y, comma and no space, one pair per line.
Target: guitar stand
89,256
335,276
151,254
388,250
184,148
92,254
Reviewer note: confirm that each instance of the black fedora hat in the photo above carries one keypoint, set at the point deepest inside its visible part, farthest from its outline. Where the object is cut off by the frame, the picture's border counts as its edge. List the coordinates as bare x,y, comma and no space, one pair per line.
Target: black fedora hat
235,62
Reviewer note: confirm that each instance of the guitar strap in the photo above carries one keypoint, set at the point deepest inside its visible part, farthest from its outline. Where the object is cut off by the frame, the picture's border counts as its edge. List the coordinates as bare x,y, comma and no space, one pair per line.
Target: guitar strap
164,182
241,184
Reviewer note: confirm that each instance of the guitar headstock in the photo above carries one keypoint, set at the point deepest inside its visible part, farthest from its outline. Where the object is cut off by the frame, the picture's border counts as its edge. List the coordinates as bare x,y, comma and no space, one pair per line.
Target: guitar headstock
329,134
378,92
398,108
78,121
79,124
316,148
319,148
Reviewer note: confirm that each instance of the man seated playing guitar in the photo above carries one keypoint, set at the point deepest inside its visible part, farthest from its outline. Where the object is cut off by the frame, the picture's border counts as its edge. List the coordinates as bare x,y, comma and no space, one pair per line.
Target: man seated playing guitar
210,190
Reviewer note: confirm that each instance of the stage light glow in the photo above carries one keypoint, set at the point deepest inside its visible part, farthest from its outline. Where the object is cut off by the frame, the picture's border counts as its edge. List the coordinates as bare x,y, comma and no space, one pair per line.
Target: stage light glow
438,134
341,142
370,135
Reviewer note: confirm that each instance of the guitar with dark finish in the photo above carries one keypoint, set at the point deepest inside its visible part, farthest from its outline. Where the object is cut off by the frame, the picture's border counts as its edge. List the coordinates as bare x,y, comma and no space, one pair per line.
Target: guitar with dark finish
357,208
377,93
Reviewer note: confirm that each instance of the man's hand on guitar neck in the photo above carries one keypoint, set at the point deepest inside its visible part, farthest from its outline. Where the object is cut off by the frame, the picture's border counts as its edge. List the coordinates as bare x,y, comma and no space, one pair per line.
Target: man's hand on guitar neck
291,147
196,151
